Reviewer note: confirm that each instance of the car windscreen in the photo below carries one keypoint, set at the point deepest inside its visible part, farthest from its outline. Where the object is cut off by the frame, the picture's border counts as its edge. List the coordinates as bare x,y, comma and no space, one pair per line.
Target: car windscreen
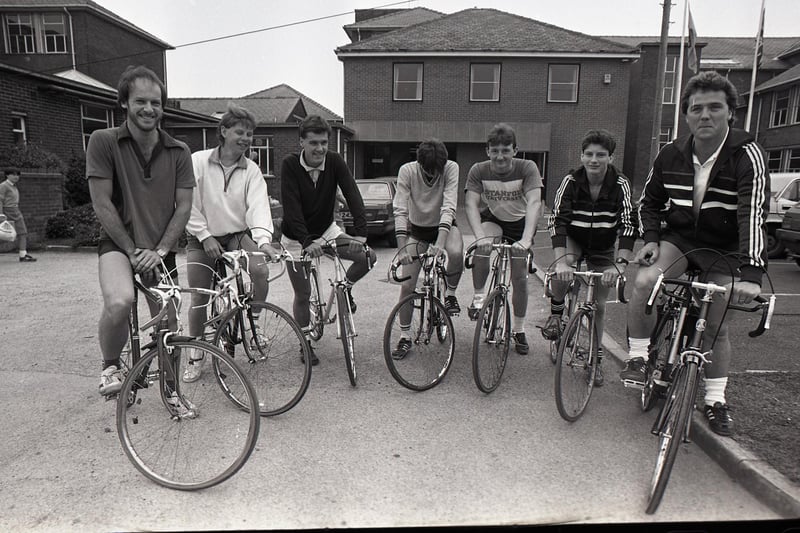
375,191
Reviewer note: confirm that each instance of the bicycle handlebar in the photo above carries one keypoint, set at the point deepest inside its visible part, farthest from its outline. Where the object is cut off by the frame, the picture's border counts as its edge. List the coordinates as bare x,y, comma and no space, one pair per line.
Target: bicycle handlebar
500,247
423,257
620,284
329,248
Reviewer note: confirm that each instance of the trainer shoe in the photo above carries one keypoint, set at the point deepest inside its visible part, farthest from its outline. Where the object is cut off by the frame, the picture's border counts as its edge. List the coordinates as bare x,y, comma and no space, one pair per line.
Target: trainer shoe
634,373
521,343
259,341
451,305
719,418
182,407
351,301
27,259
475,307
194,367
552,328
110,381
314,358
403,347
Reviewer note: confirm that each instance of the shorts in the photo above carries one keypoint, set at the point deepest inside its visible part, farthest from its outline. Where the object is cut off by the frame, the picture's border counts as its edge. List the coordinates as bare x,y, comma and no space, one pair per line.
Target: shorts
597,260
295,248
427,234
14,215
193,243
704,259
107,245
512,231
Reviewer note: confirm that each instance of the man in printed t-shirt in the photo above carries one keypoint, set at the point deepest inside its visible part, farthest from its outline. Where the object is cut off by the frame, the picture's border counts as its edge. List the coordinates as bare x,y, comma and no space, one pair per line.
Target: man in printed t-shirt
512,191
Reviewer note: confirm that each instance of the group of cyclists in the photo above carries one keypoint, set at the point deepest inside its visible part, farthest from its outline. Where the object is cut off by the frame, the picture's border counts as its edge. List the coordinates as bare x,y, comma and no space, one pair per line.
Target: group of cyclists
708,190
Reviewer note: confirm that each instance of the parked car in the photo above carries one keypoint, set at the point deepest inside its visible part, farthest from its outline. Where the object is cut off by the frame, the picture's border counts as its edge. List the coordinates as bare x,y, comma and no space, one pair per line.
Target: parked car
789,233
378,194
785,193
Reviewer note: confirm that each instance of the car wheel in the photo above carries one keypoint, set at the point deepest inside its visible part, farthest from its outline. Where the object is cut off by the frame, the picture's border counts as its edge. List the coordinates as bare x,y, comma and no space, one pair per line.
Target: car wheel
391,238
775,248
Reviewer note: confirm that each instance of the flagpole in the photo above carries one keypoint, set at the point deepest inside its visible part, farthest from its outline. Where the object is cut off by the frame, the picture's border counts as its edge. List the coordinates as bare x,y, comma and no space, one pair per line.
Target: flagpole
755,67
679,67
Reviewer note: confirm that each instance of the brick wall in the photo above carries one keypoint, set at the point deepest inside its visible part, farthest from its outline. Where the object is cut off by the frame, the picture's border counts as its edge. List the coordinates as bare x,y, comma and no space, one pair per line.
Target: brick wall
40,197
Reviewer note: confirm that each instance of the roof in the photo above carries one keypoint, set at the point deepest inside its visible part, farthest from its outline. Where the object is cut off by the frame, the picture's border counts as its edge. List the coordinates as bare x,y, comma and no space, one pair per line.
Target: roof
83,4
266,110
76,75
793,49
484,30
397,19
312,107
790,76
734,53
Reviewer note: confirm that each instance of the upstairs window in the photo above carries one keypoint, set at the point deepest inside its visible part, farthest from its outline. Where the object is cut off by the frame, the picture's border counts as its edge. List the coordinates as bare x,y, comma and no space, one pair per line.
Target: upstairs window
562,83
669,80
94,117
18,129
484,82
408,81
35,33
780,108
665,137
263,150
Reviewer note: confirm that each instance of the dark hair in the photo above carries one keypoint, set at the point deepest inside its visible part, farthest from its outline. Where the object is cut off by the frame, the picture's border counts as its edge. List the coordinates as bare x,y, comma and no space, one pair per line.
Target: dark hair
601,137
710,81
314,124
432,155
133,73
502,133
235,114
11,170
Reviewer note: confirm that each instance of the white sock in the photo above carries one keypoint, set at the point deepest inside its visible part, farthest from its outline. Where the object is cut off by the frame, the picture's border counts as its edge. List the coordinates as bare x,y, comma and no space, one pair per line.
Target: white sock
715,390
23,253
450,292
638,348
518,324
479,295
405,331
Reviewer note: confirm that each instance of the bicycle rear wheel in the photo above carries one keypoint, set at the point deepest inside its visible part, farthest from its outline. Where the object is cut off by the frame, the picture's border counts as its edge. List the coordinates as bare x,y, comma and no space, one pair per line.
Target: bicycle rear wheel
576,366
347,334
658,356
194,447
491,341
277,362
429,359
677,409
315,311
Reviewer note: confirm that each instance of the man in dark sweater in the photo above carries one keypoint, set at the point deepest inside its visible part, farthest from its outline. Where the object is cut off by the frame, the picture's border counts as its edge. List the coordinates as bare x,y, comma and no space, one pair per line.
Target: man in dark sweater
308,191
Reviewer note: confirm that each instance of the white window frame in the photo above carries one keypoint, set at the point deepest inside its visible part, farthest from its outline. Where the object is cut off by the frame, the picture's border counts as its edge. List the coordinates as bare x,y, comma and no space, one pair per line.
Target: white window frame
792,154
780,116
36,42
665,137
494,84
19,130
107,123
265,153
670,70
771,159
398,83
552,84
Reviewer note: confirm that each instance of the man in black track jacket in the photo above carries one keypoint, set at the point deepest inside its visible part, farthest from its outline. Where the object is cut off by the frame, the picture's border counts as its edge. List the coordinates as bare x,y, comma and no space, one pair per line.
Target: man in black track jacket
712,190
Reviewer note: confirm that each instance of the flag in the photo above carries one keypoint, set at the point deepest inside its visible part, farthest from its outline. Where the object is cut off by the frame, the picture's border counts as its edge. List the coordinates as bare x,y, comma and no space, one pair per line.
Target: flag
691,61
760,39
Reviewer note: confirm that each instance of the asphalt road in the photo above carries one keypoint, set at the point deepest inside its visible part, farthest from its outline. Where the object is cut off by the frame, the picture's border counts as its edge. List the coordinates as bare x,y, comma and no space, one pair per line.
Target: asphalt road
370,456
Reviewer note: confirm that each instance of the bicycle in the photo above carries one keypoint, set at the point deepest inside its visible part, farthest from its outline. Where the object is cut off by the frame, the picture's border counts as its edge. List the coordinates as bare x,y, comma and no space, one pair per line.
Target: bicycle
427,363
493,335
182,436
264,338
320,311
578,350
571,299
678,369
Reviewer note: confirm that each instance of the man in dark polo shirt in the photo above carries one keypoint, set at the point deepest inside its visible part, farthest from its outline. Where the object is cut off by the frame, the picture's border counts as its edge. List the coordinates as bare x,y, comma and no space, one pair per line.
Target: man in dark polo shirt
141,182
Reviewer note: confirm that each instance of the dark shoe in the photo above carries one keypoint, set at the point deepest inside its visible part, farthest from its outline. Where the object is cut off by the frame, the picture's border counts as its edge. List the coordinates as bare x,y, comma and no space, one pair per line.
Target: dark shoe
350,300
451,305
719,418
403,347
474,308
314,358
27,259
599,377
634,374
552,328
521,343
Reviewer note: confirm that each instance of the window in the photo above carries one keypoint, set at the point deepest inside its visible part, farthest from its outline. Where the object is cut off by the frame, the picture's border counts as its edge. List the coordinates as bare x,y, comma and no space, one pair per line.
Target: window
669,80
780,108
31,33
664,137
563,83
408,81
18,129
794,160
484,82
263,149
93,118
774,160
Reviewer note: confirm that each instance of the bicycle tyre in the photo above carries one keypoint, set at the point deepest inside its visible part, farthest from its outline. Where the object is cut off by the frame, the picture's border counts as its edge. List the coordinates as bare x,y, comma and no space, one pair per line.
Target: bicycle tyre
426,365
193,451
347,334
315,324
576,366
658,355
440,315
280,369
491,341
673,431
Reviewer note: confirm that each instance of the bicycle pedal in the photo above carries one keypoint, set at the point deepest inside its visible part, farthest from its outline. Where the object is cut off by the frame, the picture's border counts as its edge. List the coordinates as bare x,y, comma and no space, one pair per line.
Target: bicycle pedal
630,384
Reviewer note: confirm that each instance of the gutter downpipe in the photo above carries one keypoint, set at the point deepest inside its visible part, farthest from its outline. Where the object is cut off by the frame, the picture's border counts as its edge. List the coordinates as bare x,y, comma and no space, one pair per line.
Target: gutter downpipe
71,38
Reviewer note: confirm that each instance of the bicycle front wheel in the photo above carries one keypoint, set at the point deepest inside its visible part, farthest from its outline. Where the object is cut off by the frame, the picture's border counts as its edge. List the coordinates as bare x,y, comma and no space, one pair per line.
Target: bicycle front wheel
315,312
186,436
347,333
658,356
429,359
675,417
576,366
491,341
275,358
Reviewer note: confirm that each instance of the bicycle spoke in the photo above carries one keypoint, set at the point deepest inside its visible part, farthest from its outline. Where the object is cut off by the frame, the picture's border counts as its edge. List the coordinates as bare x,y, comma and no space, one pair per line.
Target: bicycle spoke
575,366
491,341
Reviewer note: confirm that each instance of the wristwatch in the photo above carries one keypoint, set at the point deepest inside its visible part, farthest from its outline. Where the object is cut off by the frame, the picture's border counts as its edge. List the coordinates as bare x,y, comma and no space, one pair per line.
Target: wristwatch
622,261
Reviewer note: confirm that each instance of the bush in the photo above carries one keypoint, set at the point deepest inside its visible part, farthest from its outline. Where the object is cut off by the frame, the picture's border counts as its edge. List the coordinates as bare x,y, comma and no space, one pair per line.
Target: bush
79,224
31,156
76,187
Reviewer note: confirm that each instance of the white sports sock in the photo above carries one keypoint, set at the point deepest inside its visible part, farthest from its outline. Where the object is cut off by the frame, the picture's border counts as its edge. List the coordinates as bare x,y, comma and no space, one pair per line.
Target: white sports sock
518,324
23,253
715,390
638,348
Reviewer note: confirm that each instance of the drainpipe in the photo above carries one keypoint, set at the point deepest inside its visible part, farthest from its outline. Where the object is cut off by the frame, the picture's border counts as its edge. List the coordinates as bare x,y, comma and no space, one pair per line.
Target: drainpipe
71,38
